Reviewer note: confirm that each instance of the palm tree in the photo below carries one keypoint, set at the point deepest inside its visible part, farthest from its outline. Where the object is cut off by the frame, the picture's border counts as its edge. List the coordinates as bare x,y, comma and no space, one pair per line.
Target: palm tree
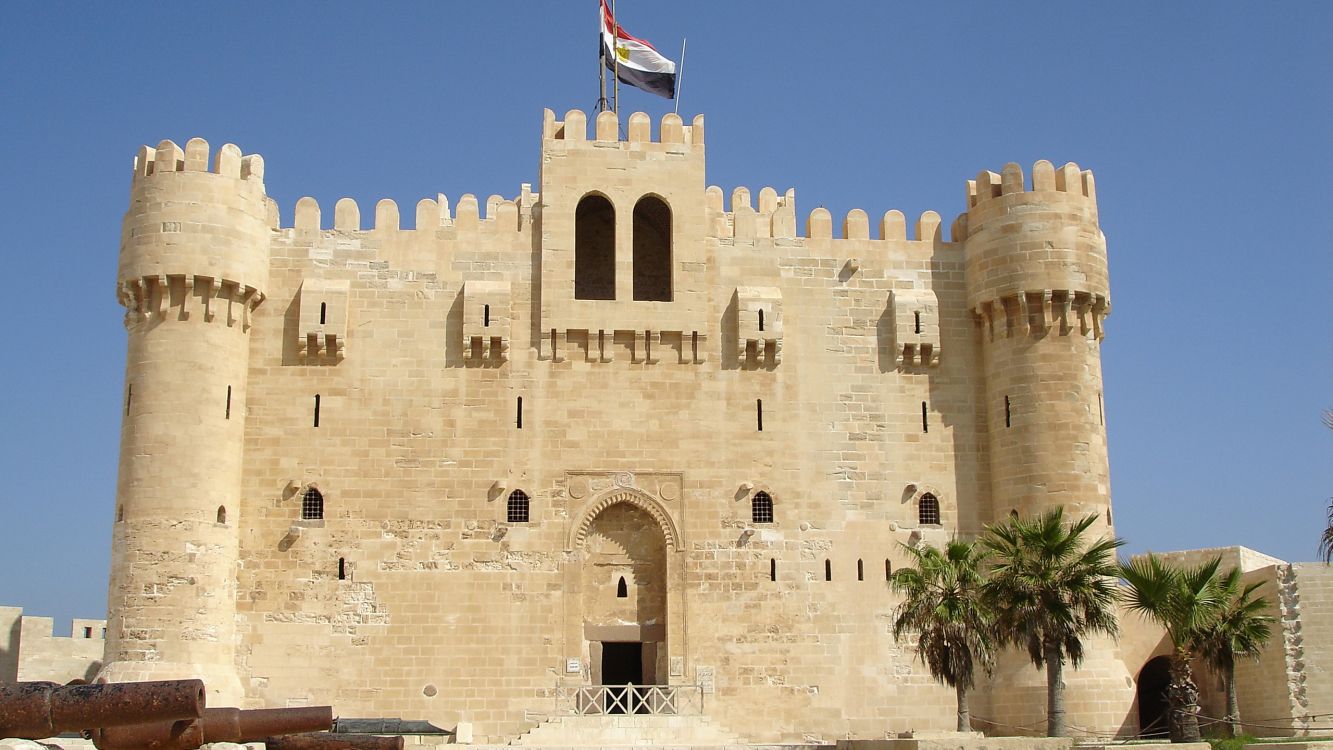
1240,628
1184,601
1049,587
942,605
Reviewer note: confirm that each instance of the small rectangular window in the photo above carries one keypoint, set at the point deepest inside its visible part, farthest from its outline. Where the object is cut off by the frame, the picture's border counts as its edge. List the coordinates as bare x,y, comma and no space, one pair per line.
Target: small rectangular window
925,419
761,320
520,412
1008,415
485,316
828,570
888,570
759,414
917,322
87,632
772,569
860,570
316,409
323,312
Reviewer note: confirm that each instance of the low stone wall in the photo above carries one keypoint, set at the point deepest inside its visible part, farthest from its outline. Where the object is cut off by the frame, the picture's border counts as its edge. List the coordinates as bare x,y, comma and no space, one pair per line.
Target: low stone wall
965,741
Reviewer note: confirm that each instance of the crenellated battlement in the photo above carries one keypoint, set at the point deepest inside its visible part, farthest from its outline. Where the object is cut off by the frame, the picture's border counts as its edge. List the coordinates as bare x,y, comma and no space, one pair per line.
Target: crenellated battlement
501,214
606,129
775,218
168,157
1068,179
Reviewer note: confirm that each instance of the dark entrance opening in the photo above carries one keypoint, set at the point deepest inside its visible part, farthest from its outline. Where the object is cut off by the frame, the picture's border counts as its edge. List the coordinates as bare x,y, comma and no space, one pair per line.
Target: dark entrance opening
622,664
1154,707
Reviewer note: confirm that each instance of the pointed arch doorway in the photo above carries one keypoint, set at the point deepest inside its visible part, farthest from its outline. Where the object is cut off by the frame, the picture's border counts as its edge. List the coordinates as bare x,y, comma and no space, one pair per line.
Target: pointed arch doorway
624,602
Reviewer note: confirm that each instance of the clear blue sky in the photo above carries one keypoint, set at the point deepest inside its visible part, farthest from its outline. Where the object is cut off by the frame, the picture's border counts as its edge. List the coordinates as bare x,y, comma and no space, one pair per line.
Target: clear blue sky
1209,127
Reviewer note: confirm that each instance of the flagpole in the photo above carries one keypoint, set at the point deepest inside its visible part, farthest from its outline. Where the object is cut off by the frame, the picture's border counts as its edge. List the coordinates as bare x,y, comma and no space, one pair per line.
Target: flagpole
601,60
615,55
680,77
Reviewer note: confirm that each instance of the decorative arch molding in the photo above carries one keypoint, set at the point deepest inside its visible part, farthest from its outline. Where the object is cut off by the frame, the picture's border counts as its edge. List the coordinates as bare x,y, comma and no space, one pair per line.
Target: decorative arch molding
579,534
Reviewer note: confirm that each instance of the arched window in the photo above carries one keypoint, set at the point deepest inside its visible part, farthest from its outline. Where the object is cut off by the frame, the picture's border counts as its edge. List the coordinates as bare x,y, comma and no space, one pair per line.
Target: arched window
928,510
519,505
622,590
594,248
312,505
222,514
761,508
652,250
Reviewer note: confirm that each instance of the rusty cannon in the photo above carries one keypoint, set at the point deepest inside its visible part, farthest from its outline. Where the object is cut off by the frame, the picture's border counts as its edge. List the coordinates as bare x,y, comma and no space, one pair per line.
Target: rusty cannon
36,710
332,741
216,725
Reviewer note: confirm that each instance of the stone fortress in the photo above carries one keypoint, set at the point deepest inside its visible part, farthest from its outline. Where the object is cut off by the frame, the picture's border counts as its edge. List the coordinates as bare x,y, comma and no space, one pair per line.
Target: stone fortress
615,429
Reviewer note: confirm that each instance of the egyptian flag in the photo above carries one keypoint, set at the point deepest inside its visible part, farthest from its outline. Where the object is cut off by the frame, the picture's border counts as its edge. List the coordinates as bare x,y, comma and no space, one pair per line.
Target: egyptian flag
636,62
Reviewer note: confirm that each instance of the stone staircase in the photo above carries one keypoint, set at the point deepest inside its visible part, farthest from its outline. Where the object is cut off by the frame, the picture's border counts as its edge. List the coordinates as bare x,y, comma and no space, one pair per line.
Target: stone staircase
627,731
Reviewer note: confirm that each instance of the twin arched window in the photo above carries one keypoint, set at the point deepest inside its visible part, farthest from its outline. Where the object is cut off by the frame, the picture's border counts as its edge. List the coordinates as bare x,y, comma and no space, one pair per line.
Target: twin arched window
519,507
595,249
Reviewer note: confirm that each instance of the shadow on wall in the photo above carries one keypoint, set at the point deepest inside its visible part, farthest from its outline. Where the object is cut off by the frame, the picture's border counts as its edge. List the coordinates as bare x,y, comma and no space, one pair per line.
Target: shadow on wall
9,652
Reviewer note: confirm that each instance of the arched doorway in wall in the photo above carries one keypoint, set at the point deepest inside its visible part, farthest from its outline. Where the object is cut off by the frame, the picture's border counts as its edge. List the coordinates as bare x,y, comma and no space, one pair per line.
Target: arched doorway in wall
625,573
1154,707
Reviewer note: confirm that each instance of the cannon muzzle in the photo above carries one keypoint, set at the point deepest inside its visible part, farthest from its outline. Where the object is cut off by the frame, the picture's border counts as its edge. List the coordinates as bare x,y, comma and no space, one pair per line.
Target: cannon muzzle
35,710
216,725
330,741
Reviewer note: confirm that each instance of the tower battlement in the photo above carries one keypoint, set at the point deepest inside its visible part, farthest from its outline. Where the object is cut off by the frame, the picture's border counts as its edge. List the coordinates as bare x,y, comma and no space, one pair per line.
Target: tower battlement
168,157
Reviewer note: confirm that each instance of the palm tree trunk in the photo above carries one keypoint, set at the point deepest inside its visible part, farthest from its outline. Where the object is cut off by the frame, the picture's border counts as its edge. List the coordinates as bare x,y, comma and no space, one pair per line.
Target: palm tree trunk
1055,695
964,714
1233,707
1183,696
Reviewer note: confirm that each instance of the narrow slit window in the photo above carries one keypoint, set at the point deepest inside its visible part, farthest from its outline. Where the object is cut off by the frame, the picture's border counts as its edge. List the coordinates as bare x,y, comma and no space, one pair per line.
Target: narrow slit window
928,510
925,418
761,508
485,316
772,569
828,569
519,507
323,312
860,570
519,420
222,514
129,396
1108,517
228,413
759,414
342,569
888,570
316,409
761,320
120,513
622,589
1101,411
312,505
916,325
1008,413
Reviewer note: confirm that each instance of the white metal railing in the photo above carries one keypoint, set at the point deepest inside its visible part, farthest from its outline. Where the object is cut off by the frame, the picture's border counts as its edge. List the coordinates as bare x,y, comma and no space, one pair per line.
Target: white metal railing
667,700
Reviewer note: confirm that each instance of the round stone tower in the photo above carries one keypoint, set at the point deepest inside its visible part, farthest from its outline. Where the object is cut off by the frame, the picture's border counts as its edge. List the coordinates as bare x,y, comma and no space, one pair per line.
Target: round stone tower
1035,262
193,267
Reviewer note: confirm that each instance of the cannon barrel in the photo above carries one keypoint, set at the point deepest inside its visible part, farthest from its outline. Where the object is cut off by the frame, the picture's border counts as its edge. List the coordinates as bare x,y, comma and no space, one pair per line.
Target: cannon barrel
216,725
35,710
330,741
